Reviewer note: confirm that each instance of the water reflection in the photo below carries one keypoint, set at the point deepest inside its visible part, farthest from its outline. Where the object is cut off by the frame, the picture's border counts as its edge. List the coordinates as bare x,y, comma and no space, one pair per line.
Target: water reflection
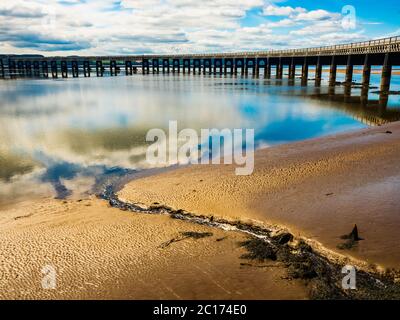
62,137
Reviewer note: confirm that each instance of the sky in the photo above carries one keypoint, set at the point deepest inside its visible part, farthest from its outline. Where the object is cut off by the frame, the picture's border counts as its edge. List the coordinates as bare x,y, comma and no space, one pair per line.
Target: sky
123,27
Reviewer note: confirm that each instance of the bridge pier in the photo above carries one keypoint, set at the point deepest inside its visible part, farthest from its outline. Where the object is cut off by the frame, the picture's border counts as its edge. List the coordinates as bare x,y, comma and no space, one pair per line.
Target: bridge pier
250,64
165,65
318,73
186,65
218,64
235,67
292,70
207,64
86,69
36,68
64,69
12,68
113,68
54,69
2,73
267,69
228,63
196,64
145,66
304,73
257,67
279,69
349,72
45,69
75,69
366,76
176,65
386,74
28,68
155,63
239,62
99,68
21,68
332,73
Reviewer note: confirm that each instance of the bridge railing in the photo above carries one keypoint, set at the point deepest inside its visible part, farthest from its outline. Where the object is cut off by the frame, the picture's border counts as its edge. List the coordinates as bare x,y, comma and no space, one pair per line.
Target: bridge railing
391,44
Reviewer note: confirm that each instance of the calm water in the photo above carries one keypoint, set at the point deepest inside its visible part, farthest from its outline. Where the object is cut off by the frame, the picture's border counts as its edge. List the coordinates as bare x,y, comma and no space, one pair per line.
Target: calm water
62,137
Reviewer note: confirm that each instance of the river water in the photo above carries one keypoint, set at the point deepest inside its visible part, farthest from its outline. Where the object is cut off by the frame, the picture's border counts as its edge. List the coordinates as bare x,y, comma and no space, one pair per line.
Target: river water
62,138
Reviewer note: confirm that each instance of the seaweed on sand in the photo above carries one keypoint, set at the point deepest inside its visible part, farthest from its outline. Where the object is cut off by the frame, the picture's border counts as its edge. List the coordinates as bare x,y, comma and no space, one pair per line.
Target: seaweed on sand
322,276
186,235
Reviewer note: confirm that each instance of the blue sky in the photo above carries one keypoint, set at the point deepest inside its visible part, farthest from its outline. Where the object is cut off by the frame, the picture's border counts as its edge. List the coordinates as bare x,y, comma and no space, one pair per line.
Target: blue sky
66,27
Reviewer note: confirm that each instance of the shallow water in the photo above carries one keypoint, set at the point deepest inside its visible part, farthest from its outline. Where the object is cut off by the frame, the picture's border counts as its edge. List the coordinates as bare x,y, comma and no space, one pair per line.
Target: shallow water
64,137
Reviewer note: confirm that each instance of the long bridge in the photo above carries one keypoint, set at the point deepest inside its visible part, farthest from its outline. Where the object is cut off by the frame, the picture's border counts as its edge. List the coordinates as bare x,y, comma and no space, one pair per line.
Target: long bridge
381,52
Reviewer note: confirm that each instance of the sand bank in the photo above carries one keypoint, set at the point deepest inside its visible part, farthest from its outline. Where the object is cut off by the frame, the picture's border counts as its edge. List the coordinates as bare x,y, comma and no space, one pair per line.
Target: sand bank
317,188
100,252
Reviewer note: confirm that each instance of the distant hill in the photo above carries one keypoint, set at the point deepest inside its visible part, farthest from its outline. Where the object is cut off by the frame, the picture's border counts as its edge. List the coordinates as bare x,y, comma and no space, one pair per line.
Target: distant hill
21,55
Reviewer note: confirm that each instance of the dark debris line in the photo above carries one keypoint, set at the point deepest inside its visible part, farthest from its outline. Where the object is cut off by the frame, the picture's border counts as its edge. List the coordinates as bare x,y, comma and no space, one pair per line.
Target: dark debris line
322,277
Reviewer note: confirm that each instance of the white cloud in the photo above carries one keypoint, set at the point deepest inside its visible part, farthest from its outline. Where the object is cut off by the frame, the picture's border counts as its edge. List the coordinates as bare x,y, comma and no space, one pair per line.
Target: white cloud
272,10
66,27
316,15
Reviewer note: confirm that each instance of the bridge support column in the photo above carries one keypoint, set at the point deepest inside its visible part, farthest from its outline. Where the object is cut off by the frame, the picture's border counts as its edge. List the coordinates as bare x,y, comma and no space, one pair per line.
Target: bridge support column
113,68
318,73
45,69
292,70
206,64
279,69
235,67
186,65
196,65
2,73
128,68
348,79
21,68
304,73
99,68
176,65
366,77
165,66
28,68
145,66
36,68
257,67
349,71
54,71
86,69
218,65
267,69
75,69
386,74
155,65
385,81
12,68
332,73
64,69
228,63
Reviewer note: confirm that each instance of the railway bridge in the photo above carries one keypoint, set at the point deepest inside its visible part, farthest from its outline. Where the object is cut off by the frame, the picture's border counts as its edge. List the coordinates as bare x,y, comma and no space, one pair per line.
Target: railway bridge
271,63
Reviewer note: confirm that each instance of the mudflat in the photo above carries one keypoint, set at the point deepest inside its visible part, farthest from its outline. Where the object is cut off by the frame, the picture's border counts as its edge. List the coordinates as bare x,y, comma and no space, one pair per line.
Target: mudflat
99,252
317,188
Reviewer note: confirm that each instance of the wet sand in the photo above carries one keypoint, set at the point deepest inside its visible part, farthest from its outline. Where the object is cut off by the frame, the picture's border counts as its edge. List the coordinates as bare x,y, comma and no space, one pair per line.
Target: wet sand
101,252
318,188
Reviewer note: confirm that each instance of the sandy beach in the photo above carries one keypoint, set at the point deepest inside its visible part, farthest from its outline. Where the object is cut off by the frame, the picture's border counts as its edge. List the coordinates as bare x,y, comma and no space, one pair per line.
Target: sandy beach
100,252
317,188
